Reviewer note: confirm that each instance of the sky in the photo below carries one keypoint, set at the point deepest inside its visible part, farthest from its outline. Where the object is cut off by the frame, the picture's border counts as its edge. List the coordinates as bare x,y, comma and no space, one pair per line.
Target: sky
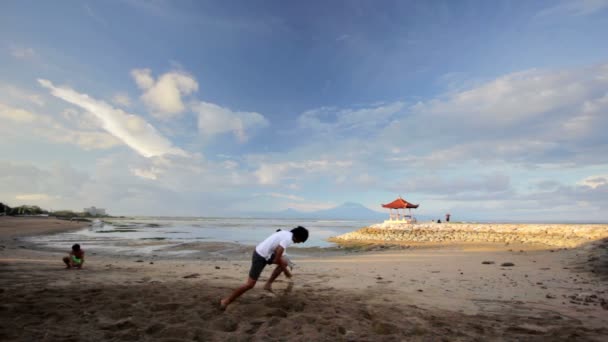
488,110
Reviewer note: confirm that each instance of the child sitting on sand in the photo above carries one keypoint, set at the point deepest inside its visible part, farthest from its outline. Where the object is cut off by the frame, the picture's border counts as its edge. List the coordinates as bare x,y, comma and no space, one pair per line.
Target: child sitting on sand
75,258
269,251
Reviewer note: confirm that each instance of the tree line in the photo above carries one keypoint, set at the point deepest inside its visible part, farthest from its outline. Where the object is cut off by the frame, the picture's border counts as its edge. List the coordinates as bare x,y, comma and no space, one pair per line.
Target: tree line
5,210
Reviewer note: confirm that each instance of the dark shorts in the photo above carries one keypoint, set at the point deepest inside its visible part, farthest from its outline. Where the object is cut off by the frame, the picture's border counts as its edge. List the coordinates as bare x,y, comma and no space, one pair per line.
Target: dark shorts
257,264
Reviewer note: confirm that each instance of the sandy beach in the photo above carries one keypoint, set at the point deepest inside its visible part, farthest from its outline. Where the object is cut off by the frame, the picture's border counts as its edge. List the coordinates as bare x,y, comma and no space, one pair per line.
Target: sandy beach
435,292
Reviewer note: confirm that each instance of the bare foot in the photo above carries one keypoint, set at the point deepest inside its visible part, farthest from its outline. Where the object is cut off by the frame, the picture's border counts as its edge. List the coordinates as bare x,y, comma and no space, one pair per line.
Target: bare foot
268,288
223,304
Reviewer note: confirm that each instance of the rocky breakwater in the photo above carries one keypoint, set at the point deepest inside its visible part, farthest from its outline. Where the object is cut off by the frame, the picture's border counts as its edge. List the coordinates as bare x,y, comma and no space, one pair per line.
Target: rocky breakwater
555,235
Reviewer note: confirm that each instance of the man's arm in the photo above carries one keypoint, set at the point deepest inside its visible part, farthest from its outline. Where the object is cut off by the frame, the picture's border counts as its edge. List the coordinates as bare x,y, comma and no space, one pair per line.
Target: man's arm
278,254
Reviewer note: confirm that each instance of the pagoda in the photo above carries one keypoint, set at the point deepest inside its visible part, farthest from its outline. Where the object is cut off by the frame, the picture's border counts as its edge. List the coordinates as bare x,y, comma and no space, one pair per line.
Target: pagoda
400,217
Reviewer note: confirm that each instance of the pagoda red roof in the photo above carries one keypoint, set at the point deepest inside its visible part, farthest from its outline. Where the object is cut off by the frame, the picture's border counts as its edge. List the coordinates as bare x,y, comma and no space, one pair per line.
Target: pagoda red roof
400,203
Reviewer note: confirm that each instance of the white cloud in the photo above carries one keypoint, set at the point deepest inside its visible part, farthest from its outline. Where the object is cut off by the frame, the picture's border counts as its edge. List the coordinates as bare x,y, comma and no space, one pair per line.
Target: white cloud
535,116
26,182
214,119
146,173
16,114
435,184
594,181
131,129
121,99
21,95
164,96
82,120
20,52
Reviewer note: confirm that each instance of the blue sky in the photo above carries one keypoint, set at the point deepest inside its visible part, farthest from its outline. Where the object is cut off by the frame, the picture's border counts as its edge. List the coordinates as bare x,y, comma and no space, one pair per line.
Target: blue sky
487,110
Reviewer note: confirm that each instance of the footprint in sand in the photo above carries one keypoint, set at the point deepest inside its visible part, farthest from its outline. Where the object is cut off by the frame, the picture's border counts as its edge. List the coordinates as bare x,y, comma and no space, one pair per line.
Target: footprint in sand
255,326
225,324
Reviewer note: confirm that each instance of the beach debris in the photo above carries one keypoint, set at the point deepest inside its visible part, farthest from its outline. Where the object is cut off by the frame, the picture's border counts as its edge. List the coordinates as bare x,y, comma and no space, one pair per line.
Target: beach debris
217,267
420,290
151,263
193,275
487,262
549,296
588,298
507,264
139,260
379,278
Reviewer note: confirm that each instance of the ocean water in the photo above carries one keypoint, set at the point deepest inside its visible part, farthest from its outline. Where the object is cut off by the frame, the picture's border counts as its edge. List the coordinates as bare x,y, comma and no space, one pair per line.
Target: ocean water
155,234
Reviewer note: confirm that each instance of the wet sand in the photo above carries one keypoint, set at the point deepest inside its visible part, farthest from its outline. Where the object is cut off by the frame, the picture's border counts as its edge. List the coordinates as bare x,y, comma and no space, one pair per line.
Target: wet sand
375,293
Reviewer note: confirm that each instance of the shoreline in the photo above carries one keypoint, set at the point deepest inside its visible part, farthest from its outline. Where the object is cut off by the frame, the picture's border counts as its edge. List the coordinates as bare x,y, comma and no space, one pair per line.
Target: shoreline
440,292
19,227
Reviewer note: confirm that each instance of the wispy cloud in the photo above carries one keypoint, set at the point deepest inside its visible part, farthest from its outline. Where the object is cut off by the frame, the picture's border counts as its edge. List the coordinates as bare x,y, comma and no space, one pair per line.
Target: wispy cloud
18,121
21,52
339,120
16,114
131,129
121,99
19,94
284,196
574,8
94,15
275,173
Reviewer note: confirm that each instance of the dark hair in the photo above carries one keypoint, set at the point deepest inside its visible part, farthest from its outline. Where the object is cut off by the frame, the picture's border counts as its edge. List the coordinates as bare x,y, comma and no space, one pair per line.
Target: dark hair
300,233
76,247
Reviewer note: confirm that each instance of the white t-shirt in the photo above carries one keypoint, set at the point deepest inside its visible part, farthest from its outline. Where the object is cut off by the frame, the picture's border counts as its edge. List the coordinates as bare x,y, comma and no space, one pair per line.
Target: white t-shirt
281,238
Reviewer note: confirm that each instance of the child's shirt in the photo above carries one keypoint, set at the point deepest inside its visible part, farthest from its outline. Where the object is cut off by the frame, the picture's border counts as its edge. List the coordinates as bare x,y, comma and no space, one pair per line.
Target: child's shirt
267,247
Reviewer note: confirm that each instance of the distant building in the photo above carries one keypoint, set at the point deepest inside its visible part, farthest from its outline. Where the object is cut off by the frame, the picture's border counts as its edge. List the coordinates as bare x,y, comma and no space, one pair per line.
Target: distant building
95,211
